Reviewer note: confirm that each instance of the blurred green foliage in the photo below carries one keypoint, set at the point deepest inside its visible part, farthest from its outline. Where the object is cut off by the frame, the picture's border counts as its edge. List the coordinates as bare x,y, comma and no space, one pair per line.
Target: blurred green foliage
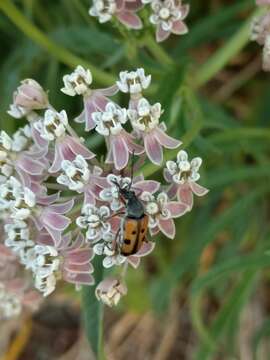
231,134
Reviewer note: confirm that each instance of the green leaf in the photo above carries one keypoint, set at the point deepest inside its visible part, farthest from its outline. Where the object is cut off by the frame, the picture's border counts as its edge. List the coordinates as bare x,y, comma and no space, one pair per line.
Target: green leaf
93,311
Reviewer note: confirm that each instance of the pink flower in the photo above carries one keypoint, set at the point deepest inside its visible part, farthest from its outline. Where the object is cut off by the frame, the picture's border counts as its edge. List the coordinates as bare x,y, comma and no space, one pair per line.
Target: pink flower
123,10
78,83
145,121
119,142
184,176
168,17
161,213
263,2
28,96
75,258
50,216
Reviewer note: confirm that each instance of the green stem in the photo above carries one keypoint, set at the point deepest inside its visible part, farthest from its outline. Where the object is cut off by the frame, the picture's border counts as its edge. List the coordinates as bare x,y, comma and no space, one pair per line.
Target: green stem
157,51
92,310
225,54
54,49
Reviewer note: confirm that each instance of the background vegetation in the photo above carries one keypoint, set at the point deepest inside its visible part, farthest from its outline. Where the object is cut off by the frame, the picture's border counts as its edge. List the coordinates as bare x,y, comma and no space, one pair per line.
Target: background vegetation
212,282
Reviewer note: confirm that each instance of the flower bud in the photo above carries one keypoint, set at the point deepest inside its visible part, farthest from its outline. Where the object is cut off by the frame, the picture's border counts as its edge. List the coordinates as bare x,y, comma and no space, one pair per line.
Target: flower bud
30,95
110,291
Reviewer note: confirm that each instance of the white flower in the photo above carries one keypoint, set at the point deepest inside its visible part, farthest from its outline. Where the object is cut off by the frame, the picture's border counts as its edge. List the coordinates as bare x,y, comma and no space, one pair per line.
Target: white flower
17,112
146,117
155,207
110,291
44,262
133,82
77,83
16,198
10,304
53,125
165,13
18,237
76,173
103,9
184,170
111,194
95,220
110,121
5,141
21,139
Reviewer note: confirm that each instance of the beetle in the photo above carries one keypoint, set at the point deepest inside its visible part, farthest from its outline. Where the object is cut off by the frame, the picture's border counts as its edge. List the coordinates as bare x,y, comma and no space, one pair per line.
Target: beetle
135,222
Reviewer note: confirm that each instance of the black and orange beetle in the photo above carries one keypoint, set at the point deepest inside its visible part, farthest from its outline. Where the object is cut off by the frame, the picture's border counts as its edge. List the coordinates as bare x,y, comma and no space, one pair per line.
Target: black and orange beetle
135,222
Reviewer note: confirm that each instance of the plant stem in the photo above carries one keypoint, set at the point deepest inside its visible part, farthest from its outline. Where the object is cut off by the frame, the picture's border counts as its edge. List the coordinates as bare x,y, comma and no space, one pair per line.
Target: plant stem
225,54
62,54
157,51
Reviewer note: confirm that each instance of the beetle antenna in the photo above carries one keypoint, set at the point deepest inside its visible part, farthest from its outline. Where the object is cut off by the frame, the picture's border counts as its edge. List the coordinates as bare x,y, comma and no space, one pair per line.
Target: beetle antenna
132,168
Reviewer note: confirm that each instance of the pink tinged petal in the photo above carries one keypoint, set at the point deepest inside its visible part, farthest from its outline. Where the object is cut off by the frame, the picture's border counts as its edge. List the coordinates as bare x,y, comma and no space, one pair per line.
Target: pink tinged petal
48,199
134,261
146,249
184,11
80,118
79,269
134,5
89,198
154,231
89,108
120,152
177,209
161,34
55,234
30,166
45,239
150,186
167,175
166,140
100,101
179,28
109,91
78,149
83,279
79,256
129,19
198,189
132,146
153,149
115,223
39,141
58,158
32,299
119,4
65,242
55,221
24,177
100,181
185,195
172,191
62,208
167,227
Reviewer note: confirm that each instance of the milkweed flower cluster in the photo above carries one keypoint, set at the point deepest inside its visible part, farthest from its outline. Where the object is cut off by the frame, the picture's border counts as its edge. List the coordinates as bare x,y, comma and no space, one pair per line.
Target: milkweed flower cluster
54,234
260,32
167,16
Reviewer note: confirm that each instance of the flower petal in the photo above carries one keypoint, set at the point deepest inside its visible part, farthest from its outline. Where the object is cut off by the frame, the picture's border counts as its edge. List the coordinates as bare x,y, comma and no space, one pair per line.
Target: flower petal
30,166
185,195
167,227
179,28
153,149
57,161
177,209
134,261
79,256
120,152
150,186
83,279
78,148
62,208
161,34
146,249
129,19
166,140
55,221
198,189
